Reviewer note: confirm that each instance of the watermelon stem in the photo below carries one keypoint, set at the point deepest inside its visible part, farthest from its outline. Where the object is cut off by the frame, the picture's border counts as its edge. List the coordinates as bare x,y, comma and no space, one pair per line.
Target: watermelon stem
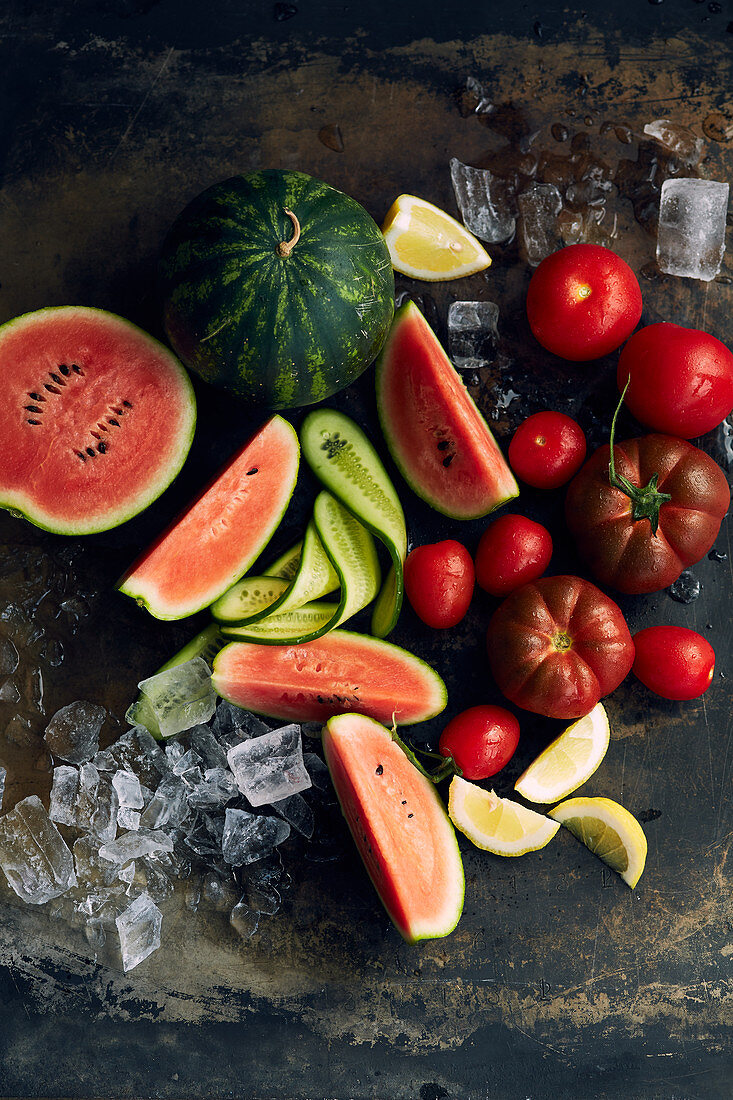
447,769
286,247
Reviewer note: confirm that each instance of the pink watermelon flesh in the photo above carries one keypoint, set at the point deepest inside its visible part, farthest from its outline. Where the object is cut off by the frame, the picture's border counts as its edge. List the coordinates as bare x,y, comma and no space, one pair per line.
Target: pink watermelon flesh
399,825
339,672
437,437
220,535
96,419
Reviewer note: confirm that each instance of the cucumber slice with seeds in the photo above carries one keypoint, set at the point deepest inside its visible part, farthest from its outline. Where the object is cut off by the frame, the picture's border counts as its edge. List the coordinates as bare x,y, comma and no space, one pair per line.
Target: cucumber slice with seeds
353,556
206,644
342,457
250,598
286,566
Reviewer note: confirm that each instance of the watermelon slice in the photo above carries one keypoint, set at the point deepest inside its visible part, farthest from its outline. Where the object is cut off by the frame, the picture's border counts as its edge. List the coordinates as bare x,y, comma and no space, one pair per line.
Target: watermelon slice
399,825
216,540
341,671
96,419
438,439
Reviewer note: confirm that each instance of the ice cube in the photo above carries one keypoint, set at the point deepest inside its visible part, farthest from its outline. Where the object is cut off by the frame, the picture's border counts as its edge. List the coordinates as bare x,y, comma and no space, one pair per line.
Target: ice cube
539,207
9,692
181,697
691,230
485,201
168,804
64,794
243,920
36,861
9,658
128,818
248,837
187,768
318,771
96,803
133,845
270,767
91,869
203,742
139,929
205,837
126,874
263,898
73,732
3,777
297,812
104,761
679,139
128,789
472,333
136,751
217,788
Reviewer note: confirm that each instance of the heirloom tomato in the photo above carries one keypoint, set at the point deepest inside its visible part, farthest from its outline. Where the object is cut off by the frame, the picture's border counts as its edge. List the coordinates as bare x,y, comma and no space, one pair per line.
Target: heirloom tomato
673,661
659,510
558,645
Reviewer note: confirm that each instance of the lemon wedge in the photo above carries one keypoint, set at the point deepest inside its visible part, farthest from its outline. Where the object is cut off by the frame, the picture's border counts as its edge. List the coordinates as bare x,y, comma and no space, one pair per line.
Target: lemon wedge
426,243
496,824
609,830
568,761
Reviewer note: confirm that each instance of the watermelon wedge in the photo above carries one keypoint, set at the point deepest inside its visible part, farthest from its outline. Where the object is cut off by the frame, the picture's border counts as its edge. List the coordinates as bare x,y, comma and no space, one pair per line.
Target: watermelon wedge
225,529
96,419
341,671
438,439
399,826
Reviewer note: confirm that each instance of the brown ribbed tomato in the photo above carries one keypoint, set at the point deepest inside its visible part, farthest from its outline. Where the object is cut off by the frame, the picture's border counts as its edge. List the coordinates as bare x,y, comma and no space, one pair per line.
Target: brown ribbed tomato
558,645
639,537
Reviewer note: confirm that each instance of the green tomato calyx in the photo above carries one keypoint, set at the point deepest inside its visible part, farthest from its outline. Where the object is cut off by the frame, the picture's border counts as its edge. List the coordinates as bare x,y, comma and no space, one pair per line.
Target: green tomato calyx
645,500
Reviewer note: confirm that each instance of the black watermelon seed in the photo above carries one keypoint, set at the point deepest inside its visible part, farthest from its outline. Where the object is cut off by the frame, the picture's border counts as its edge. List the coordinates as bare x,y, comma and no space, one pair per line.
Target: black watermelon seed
34,422
76,368
443,445
410,815
113,421
254,470
37,396
127,404
102,448
32,408
63,368
91,452
448,459
57,380
379,769
50,388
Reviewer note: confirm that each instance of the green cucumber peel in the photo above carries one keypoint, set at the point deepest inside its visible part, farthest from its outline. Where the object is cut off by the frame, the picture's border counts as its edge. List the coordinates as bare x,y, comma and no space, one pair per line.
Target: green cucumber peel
248,599
353,558
345,461
286,566
205,644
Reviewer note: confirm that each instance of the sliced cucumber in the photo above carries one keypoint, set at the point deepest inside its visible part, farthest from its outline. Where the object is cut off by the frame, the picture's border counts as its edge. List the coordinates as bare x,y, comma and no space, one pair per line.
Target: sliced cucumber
353,556
206,644
286,566
249,598
342,457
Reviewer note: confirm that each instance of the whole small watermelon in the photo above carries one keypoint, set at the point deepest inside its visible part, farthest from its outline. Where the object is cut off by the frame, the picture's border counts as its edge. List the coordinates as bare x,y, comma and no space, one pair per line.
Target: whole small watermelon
277,287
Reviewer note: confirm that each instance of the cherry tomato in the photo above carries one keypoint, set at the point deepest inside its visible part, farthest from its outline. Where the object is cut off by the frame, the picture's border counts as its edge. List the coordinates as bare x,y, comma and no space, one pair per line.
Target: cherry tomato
439,580
673,661
681,379
512,551
643,545
558,645
547,449
481,740
583,302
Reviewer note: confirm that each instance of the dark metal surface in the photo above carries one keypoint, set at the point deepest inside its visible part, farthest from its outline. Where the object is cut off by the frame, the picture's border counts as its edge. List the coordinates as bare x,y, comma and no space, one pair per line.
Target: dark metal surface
559,981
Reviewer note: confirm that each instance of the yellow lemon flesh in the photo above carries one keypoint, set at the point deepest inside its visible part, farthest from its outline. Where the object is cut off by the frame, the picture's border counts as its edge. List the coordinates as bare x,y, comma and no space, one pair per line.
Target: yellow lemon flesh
568,761
609,831
426,243
496,824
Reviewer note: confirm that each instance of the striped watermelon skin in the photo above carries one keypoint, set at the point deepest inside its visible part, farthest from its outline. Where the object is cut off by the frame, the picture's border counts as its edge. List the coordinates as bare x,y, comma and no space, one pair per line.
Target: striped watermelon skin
282,331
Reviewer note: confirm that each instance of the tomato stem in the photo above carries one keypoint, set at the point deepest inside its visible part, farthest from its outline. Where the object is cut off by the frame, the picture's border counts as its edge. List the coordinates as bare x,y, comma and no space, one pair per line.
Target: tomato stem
447,769
645,500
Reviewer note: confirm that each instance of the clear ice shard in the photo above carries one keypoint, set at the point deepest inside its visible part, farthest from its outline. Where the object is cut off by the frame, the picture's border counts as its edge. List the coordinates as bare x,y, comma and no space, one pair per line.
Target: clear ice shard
168,805
128,789
484,200
36,861
181,697
249,837
680,140
133,845
296,811
217,787
691,228
139,931
540,206
64,794
3,777
96,803
73,732
270,767
472,334
138,752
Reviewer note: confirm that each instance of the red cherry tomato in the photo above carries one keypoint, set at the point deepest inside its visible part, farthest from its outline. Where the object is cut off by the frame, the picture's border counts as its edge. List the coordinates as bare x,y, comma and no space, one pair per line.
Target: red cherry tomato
673,661
439,580
681,379
547,449
481,740
583,302
513,551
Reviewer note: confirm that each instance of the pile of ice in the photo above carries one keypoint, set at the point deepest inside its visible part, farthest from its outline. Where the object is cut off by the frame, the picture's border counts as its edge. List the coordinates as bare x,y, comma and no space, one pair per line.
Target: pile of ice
210,805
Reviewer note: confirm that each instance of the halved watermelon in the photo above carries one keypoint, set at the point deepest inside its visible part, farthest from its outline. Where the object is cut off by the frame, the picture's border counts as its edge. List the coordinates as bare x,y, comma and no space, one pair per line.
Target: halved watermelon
341,671
399,825
438,439
96,419
216,540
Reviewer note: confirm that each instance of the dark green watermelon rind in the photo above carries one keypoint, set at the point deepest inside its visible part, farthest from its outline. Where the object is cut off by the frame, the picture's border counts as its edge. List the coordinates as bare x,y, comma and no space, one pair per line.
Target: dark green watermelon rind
418,489
17,505
348,803
276,329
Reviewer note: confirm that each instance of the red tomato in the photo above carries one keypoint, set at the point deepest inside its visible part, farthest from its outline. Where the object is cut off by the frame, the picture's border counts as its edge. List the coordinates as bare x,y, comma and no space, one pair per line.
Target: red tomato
558,645
512,551
439,581
547,449
681,379
673,661
583,302
481,740
619,538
